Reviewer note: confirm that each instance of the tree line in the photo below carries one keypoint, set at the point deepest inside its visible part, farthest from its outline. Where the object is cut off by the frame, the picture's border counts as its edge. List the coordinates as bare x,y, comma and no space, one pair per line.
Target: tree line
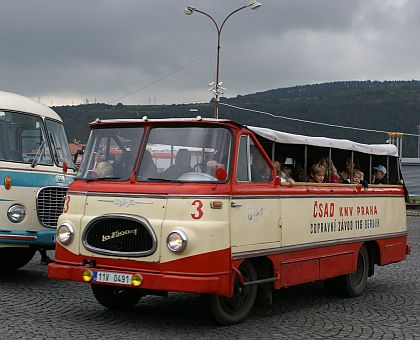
387,106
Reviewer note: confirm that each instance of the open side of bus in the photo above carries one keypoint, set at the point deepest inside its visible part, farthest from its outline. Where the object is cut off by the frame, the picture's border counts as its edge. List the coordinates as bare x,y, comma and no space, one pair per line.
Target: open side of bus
33,149
195,206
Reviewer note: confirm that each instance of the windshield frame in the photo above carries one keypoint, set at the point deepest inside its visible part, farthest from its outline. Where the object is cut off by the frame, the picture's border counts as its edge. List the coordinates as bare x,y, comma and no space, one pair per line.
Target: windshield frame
186,125
53,147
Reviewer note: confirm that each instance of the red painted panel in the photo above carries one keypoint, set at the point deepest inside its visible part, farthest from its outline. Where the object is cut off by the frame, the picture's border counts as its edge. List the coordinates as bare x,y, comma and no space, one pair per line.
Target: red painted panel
392,250
336,265
217,284
298,272
216,262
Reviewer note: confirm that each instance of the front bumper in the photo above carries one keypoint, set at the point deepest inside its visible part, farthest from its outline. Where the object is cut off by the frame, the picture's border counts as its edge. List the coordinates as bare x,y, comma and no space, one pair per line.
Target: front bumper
39,238
219,284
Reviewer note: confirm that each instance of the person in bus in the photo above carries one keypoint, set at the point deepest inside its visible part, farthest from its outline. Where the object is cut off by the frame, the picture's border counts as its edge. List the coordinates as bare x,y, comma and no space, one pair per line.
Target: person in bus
147,166
124,165
378,175
358,178
181,166
260,171
317,173
280,173
331,175
103,169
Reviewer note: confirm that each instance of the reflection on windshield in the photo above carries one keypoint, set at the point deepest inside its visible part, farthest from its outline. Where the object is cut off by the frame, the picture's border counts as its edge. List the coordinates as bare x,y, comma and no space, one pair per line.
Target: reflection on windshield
185,154
59,143
111,154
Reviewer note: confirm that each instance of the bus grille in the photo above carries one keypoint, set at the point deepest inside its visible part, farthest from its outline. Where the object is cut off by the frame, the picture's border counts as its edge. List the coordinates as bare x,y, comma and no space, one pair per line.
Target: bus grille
120,235
49,205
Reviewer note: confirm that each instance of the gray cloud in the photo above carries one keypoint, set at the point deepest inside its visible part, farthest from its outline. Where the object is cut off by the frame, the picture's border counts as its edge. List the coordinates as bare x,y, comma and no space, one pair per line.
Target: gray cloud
64,51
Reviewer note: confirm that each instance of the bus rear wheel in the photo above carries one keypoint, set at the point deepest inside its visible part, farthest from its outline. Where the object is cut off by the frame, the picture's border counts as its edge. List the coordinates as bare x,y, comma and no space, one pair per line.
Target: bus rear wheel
353,284
15,258
116,298
230,310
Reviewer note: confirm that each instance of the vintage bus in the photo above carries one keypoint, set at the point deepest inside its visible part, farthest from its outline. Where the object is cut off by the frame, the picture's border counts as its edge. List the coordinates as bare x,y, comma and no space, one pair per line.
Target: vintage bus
213,218
33,151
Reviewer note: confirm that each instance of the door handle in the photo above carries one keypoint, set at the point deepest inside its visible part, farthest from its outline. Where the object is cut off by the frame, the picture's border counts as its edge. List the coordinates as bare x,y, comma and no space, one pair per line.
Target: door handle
235,205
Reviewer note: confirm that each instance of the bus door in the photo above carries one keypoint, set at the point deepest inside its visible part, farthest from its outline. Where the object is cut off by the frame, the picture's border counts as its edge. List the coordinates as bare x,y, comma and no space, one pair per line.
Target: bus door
255,208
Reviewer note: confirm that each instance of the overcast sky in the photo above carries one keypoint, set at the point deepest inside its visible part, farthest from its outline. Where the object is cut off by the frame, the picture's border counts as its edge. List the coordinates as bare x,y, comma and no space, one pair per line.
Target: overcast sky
65,51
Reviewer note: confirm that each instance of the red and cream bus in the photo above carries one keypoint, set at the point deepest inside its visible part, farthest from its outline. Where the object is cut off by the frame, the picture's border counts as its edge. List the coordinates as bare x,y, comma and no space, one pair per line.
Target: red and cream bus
214,219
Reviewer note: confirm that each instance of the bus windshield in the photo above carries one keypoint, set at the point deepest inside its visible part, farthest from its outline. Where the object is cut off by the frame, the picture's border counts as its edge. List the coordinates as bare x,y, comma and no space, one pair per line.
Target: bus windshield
59,143
186,154
111,153
22,139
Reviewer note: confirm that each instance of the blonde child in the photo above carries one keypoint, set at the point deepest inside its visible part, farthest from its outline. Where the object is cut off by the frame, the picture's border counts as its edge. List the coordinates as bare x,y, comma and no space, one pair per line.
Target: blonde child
317,173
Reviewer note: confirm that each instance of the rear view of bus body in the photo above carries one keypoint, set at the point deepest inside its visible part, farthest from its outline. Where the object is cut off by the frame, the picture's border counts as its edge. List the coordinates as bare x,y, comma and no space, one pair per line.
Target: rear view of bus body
33,149
194,205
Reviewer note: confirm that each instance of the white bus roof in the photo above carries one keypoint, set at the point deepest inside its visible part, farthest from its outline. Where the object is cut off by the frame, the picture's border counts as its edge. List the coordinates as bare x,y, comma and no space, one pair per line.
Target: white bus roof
15,102
344,144
284,137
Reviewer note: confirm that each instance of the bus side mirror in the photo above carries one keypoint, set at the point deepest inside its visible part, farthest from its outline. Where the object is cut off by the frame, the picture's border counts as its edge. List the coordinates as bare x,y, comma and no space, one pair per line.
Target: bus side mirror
78,156
277,181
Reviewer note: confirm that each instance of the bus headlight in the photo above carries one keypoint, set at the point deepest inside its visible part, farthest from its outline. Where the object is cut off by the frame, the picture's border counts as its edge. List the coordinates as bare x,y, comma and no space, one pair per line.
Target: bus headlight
16,213
65,233
177,241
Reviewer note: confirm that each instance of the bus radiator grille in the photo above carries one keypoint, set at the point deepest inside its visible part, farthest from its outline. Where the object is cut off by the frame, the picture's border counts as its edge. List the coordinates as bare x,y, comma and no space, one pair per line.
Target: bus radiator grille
49,205
119,236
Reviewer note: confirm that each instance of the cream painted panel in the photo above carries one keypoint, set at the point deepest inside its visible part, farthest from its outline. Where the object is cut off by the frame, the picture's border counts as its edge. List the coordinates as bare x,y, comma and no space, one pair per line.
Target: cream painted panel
74,205
207,229
307,220
255,221
152,209
24,196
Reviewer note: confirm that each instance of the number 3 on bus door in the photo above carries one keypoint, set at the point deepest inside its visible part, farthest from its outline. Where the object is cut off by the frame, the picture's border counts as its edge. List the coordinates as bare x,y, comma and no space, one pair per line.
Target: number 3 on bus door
199,212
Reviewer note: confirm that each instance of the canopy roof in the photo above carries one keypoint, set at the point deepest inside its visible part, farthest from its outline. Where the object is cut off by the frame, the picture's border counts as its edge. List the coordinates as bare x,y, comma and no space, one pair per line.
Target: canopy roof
344,144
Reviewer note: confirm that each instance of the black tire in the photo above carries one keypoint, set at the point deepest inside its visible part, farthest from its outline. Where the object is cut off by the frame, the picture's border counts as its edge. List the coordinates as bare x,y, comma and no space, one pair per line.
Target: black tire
116,298
234,309
353,284
15,258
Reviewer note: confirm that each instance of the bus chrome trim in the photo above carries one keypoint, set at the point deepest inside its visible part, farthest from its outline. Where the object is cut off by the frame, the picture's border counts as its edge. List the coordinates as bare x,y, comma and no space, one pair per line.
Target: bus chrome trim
135,218
37,203
286,249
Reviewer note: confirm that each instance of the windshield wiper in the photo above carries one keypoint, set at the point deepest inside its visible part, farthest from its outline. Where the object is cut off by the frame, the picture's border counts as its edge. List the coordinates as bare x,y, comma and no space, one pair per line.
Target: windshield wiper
100,179
38,154
158,179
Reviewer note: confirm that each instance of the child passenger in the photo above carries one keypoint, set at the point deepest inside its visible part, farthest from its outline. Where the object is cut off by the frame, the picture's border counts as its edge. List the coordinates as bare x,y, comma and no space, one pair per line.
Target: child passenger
317,173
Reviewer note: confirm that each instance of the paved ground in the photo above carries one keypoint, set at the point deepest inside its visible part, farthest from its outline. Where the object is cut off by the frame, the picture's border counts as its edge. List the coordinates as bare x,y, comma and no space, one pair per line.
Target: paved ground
33,306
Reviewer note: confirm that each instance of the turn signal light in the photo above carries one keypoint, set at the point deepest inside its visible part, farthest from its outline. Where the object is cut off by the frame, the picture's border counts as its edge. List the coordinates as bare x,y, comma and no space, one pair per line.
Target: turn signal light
7,182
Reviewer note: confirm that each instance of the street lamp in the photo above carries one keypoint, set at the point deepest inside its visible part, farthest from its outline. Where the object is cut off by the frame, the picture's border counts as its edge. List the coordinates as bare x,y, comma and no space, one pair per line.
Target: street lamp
216,86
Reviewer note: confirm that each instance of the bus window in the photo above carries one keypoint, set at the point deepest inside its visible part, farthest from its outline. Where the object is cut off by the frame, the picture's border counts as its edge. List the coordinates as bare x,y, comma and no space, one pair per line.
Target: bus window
252,167
23,139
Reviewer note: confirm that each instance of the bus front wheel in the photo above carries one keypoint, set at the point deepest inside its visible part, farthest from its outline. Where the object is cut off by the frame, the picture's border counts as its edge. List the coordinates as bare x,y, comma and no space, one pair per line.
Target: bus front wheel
353,284
15,258
116,298
230,310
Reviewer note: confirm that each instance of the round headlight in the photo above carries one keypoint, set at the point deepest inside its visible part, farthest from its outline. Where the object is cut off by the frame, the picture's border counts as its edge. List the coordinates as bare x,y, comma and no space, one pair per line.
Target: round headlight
16,213
177,241
65,233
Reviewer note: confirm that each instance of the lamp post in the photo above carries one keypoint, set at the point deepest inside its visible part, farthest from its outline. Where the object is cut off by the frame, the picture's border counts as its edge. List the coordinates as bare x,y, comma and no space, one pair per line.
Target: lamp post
216,86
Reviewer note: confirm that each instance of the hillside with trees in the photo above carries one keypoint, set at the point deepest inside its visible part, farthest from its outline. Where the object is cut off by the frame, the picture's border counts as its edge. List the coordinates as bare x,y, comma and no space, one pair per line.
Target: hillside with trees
386,106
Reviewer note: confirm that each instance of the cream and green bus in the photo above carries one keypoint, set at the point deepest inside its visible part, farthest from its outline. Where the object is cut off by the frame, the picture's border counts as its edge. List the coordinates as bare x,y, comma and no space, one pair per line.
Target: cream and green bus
33,154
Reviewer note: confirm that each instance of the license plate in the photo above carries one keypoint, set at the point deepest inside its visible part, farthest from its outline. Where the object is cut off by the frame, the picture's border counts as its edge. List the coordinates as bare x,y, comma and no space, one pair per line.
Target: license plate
108,277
